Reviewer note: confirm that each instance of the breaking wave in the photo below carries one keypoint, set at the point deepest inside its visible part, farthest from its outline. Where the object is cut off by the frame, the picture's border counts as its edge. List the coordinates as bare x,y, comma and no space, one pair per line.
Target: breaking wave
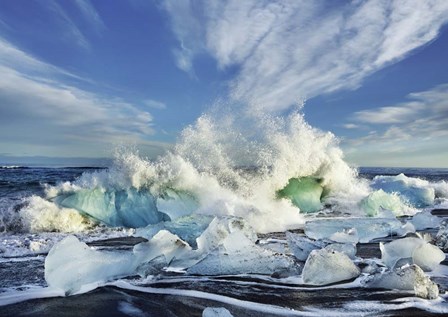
269,171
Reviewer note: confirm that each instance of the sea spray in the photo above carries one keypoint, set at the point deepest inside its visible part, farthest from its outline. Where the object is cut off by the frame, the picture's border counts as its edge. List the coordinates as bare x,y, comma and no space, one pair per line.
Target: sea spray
229,166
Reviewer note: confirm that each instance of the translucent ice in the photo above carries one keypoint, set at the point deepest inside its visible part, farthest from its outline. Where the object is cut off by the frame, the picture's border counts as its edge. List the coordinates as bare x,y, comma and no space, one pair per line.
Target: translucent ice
366,228
177,203
326,267
71,264
378,200
163,243
417,192
128,208
346,248
412,250
216,312
188,228
424,220
300,246
239,255
410,277
428,256
220,228
304,193
442,236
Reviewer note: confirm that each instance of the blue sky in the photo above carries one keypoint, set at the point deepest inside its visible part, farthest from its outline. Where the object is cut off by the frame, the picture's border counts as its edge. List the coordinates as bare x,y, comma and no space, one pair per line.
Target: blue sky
81,77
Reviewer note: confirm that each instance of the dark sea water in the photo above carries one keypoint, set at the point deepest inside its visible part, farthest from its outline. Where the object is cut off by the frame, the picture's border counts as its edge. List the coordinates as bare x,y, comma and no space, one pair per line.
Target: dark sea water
175,294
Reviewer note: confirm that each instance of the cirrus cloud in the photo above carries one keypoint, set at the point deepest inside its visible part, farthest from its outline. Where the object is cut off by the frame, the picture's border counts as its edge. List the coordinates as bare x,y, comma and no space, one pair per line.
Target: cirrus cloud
286,51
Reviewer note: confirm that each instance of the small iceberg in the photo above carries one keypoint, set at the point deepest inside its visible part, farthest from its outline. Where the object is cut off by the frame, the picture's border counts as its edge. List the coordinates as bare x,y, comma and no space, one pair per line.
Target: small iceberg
305,193
425,220
409,277
340,229
240,255
115,208
413,251
188,228
378,201
74,267
325,267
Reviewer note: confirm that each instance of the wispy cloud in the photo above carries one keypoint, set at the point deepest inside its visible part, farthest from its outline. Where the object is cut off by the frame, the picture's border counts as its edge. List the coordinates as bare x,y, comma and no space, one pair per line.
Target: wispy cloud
154,104
290,50
12,56
351,126
417,127
70,29
45,111
392,114
91,15
186,24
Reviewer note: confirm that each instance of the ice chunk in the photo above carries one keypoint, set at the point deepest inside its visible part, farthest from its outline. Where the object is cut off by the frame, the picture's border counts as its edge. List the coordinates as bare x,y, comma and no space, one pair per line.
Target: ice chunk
424,220
327,267
220,228
428,256
216,312
414,250
240,255
163,243
71,264
346,248
128,208
441,239
346,236
410,277
375,202
300,246
304,193
152,267
366,228
188,228
177,204
417,192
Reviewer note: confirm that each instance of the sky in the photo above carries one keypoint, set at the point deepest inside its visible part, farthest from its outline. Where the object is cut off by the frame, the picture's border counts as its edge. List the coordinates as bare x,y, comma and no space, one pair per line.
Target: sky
80,78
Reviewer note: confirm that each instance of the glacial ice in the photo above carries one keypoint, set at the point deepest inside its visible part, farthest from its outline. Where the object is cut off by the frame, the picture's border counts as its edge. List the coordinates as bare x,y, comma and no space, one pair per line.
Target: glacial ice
127,208
346,248
177,204
163,243
366,228
441,238
327,267
301,247
220,228
424,220
378,200
216,312
188,228
240,255
71,264
409,277
416,191
411,250
305,193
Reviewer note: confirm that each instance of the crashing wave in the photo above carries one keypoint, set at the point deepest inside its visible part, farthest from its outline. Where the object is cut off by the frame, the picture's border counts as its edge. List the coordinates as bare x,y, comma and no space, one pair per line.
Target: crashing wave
221,168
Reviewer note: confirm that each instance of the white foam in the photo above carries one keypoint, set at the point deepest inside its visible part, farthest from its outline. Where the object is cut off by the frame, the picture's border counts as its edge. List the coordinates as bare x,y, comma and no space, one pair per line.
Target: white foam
12,297
258,307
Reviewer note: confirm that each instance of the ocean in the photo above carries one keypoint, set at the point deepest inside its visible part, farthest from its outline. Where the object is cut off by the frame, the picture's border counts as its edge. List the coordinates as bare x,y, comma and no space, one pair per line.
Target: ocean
274,225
